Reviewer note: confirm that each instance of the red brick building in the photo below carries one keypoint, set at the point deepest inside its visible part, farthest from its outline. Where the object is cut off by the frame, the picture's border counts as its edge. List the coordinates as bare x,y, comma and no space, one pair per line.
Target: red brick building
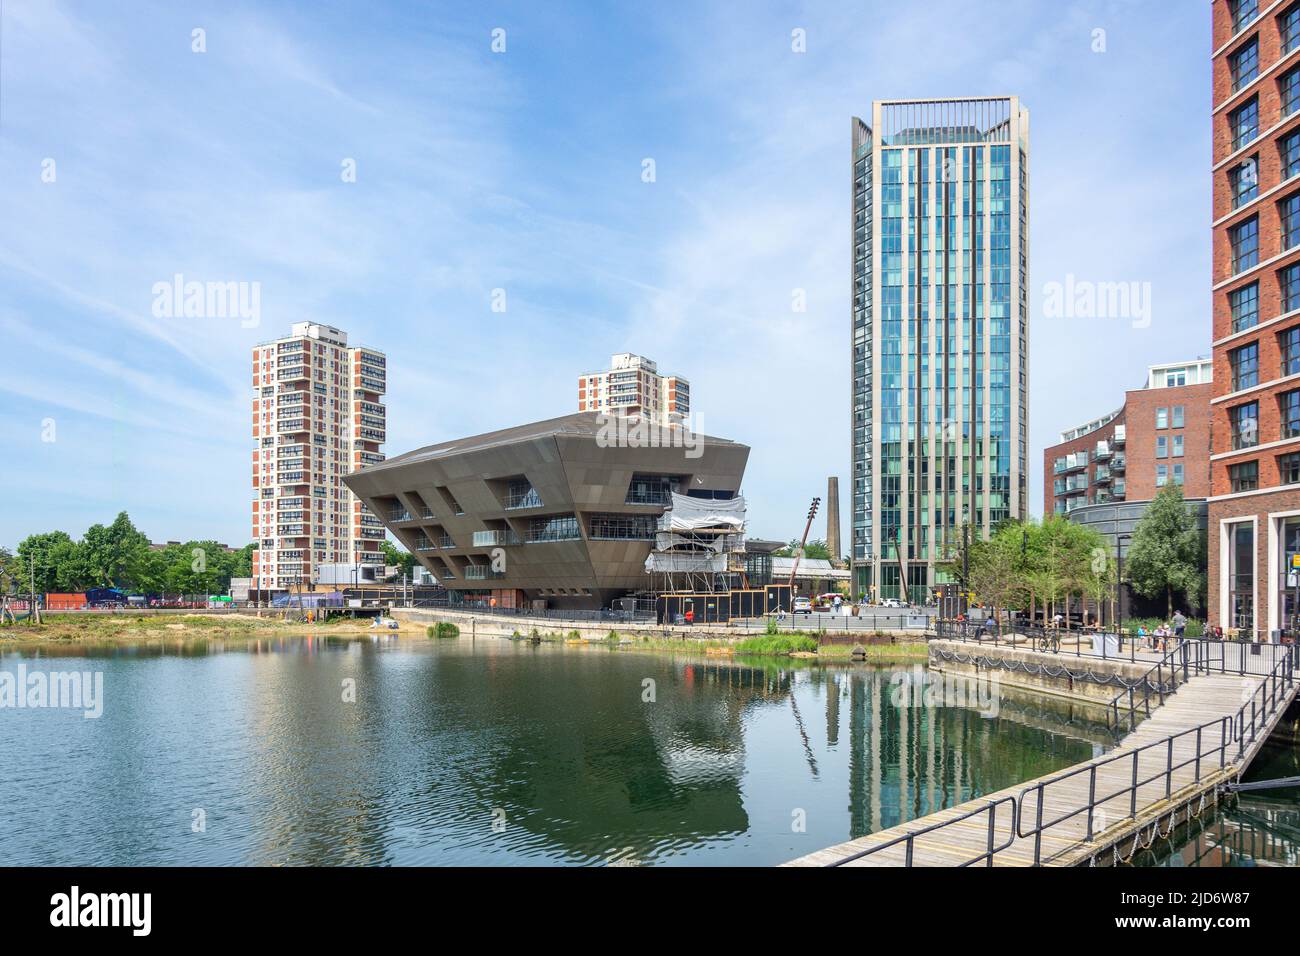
1159,436
1254,507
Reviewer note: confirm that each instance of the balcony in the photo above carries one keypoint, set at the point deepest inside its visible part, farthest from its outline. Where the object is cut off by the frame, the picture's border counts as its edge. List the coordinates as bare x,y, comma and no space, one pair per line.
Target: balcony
488,539
1118,463
481,572
1118,438
399,513
522,497
1102,451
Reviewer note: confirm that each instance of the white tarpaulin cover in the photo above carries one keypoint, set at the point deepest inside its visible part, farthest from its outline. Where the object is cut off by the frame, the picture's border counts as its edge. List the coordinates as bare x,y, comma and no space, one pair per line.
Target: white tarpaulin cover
672,562
691,514
668,541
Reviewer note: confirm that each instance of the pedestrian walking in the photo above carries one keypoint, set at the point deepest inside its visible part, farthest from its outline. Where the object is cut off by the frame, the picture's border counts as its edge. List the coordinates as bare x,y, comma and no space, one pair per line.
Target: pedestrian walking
1180,624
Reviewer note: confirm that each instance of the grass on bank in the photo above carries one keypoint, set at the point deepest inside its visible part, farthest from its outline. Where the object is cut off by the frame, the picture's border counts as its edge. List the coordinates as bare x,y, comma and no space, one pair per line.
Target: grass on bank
127,627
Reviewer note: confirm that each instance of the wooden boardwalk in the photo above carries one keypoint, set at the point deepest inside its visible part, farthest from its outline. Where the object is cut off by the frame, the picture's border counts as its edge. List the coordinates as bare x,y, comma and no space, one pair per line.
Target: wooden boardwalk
1199,739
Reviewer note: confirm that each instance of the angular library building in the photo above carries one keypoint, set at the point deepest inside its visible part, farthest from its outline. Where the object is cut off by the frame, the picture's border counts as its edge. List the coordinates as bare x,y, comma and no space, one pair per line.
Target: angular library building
559,514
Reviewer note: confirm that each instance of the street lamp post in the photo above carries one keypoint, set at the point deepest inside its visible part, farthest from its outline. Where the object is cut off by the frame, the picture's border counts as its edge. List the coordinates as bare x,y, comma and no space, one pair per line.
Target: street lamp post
1119,580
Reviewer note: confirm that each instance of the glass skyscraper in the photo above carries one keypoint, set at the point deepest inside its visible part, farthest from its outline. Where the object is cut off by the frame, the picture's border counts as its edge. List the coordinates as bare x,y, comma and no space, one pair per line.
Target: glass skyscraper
940,333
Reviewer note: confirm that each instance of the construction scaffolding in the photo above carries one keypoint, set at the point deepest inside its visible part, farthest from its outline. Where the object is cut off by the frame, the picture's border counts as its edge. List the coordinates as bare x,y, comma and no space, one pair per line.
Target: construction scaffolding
699,545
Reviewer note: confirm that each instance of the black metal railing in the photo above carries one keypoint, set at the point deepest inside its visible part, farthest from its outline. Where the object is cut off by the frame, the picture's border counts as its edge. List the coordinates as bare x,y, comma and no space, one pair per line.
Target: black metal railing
1190,658
993,846
1240,730
1214,740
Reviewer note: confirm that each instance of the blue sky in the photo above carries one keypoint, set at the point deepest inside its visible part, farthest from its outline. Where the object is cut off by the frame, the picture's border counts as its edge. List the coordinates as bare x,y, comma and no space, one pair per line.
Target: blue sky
522,171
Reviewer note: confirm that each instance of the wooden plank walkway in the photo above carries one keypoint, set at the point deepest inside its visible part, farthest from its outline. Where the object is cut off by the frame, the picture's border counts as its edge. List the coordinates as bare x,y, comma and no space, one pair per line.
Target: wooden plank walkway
1200,700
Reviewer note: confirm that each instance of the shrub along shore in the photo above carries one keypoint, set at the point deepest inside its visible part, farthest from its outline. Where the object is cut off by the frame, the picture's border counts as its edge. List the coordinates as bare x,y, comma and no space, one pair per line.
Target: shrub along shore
128,628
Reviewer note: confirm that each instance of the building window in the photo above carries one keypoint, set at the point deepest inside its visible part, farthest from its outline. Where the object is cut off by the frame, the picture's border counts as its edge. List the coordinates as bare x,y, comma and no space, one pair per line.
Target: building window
1244,123
1245,244
559,528
1244,64
1289,27
1162,475
1289,146
1290,402
1178,474
1244,477
1244,180
1244,303
520,493
1289,281
1241,575
1289,344
1245,366
1178,447
617,527
1162,446
1162,418
652,489
1178,416
1244,422
1288,468
1290,215
1289,85
1243,12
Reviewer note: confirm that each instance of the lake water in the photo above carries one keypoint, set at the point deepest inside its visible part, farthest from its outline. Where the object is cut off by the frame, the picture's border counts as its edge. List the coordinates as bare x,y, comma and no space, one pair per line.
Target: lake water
491,752
1255,828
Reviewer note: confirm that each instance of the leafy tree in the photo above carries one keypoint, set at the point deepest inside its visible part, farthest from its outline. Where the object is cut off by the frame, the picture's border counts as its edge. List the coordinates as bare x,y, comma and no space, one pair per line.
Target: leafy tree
816,550
51,559
111,555
994,568
404,560
1167,552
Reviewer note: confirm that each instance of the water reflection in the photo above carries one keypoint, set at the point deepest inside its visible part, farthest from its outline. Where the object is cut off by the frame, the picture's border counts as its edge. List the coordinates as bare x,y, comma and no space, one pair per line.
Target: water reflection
493,752
1255,828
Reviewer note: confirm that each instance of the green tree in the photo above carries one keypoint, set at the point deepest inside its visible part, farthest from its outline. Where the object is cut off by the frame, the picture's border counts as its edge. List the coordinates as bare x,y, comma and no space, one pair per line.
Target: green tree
817,550
994,570
111,555
51,559
1167,552
404,560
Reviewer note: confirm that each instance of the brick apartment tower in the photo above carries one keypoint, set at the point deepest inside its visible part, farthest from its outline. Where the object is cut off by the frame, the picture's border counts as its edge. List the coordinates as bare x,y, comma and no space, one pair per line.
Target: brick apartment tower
632,385
1254,507
317,416
1159,436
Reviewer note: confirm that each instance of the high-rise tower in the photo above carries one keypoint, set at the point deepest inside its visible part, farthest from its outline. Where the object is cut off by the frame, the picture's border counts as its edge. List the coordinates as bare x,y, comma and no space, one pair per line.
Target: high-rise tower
940,194
317,415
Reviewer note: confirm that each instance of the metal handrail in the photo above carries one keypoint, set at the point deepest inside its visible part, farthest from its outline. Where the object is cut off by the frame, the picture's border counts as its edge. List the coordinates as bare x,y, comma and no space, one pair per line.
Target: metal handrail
1191,656
1266,700
1232,730
991,808
1224,725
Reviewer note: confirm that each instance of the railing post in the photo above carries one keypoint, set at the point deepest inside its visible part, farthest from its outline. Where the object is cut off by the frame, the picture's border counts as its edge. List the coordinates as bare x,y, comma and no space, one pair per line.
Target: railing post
1092,797
908,860
1038,827
1169,769
1198,755
993,816
1133,795
1223,741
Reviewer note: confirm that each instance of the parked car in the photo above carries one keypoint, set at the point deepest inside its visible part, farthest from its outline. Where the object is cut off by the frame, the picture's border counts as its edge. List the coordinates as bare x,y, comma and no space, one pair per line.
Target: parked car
802,605
892,602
